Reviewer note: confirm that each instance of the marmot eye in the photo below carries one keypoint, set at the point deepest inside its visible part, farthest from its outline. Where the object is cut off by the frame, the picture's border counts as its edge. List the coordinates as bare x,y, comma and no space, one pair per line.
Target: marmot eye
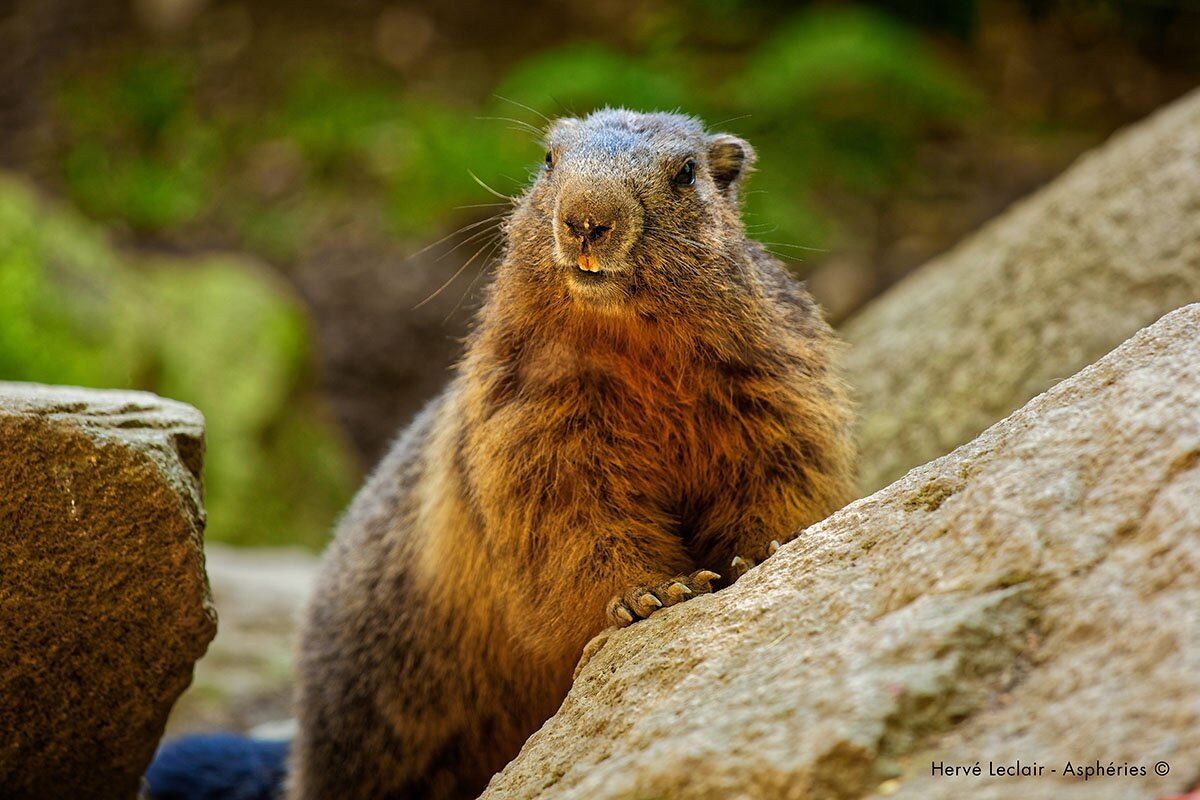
549,159
686,175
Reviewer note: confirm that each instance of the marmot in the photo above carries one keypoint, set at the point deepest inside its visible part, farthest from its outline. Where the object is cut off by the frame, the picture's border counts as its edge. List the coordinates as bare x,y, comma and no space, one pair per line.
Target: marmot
646,395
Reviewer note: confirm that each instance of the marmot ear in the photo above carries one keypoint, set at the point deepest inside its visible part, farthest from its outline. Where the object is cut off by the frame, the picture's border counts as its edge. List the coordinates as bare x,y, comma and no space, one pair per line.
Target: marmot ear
563,124
729,158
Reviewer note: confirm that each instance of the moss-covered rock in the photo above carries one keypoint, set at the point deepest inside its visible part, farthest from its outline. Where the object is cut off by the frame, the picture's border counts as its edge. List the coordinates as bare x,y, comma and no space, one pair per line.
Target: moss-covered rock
216,331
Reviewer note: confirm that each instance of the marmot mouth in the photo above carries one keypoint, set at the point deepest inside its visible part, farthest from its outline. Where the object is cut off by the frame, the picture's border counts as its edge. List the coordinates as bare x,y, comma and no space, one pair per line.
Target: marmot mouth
587,269
589,277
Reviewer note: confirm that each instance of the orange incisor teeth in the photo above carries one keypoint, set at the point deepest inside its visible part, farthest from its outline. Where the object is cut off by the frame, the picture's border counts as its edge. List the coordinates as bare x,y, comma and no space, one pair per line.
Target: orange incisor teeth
587,263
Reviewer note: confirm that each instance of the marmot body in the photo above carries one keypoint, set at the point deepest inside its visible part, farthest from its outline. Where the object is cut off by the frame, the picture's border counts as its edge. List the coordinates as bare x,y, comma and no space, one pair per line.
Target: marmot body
646,395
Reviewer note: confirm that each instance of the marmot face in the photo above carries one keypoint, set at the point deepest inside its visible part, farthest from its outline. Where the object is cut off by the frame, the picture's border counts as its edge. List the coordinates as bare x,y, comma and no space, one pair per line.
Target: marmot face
635,211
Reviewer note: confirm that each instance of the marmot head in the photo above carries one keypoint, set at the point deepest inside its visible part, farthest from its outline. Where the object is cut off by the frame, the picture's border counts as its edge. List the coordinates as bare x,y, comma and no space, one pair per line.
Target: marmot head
631,210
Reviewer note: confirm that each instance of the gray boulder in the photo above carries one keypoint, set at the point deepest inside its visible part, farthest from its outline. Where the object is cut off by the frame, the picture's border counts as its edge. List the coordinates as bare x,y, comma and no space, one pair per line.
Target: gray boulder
1036,295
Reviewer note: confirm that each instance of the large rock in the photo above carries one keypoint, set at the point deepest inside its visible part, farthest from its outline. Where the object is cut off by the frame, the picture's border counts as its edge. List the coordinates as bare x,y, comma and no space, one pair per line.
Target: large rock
104,605
1040,292
1033,596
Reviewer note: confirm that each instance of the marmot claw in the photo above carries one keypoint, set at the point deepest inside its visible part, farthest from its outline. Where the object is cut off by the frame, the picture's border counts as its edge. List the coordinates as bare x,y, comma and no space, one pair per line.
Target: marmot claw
642,601
741,564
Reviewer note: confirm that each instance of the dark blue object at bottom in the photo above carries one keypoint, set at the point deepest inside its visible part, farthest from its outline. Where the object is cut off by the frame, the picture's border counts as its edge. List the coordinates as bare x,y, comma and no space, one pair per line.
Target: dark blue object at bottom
218,766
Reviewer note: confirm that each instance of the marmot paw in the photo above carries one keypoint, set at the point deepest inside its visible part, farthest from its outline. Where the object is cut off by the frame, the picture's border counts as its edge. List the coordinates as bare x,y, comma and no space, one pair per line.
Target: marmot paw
741,564
642,601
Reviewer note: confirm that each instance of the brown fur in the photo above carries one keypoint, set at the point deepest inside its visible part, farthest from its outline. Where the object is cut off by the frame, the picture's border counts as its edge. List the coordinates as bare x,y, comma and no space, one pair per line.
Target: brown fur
603,436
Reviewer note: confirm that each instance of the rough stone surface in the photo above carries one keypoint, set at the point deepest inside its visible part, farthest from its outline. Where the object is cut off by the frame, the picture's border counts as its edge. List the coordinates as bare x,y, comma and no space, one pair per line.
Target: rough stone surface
1034,595
104,605
1040,292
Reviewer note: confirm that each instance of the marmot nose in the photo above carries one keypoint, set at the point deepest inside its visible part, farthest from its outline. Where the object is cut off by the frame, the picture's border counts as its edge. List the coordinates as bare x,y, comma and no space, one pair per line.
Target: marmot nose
587,229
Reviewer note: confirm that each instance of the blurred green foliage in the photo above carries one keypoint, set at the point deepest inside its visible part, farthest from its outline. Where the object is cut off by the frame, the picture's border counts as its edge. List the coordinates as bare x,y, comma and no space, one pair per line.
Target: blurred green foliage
835,96
139,151
840,97
215,332
579,78
61,298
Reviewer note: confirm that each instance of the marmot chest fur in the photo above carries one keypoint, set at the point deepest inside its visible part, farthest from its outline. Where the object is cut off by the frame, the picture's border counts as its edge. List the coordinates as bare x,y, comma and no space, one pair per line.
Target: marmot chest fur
646,395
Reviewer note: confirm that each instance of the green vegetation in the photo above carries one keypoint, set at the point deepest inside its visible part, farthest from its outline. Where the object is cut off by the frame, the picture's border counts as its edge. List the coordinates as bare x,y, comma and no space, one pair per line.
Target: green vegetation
60,297
848,93
215,332
834,97
139,151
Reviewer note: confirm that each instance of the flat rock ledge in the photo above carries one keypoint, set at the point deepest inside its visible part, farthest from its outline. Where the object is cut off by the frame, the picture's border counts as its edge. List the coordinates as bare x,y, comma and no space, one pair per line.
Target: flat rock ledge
104,605
1032,597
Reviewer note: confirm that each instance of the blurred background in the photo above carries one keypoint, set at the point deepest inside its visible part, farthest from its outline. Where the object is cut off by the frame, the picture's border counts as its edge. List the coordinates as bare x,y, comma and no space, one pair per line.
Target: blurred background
242,191
270,209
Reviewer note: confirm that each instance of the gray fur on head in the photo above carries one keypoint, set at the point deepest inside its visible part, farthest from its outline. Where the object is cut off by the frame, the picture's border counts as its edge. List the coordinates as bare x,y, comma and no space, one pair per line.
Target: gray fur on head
632,205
